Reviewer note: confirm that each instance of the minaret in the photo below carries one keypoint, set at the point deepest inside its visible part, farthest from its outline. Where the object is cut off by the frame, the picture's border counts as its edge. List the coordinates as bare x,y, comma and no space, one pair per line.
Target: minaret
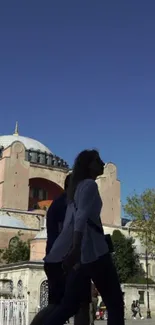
16,129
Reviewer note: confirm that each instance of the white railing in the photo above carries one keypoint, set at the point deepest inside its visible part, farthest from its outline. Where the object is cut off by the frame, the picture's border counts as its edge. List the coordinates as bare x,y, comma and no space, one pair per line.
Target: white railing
13,312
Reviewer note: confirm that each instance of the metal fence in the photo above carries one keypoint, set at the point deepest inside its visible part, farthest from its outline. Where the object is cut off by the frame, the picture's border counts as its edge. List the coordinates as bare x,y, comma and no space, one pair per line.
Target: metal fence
13,312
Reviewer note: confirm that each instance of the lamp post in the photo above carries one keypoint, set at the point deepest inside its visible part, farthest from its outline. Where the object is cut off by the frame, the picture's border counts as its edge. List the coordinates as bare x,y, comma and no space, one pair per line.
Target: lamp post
147,280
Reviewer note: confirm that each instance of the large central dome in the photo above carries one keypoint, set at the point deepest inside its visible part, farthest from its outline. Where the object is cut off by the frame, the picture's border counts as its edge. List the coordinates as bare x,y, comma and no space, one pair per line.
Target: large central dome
7,140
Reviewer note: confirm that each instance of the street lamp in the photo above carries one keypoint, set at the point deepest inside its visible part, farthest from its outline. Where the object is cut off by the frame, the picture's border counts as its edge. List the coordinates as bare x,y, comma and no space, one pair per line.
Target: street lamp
147,279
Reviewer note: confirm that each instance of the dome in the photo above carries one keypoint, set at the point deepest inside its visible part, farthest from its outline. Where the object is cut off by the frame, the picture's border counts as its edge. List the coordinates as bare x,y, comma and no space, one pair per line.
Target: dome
11,222
7,140
129,224
42,234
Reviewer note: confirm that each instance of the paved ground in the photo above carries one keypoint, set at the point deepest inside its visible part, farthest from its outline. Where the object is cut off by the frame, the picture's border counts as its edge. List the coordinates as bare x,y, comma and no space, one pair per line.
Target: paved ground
131,321
127,322
139,321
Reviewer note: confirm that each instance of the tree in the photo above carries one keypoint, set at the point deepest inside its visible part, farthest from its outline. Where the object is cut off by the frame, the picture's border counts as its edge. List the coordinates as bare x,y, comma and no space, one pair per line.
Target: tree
141,208
125,258
17,251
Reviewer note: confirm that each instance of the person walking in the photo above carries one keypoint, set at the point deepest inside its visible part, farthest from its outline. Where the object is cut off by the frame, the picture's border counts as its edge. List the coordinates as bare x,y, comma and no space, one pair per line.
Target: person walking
138,309
82,247
134,309
54,272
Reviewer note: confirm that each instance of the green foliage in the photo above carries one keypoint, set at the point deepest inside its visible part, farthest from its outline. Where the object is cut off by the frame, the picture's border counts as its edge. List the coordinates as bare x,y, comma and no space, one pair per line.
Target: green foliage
125,257
141,208
139,280
17,251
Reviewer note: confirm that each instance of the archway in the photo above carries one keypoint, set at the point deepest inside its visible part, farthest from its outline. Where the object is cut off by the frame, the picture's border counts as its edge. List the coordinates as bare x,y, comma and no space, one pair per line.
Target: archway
44,294
40,190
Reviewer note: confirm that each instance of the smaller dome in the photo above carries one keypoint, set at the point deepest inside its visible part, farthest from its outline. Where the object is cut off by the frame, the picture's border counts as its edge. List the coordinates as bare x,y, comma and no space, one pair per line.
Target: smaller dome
129,224
42,234
11,222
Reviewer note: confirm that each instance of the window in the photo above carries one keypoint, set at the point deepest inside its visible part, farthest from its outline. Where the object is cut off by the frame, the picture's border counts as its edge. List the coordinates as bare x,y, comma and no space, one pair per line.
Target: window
38,193
44,294
141,297
13,241
45,195
35,193
20,289
31,193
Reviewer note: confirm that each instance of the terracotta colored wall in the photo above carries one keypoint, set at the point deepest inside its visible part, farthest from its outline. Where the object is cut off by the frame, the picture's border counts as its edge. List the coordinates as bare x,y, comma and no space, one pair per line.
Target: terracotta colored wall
109,188
2,176
15,173
1,195
55,175
6,234
15,187
37,247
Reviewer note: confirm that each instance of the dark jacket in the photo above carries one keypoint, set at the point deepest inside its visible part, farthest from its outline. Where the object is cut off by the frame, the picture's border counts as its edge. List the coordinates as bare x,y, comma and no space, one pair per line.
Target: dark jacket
54,220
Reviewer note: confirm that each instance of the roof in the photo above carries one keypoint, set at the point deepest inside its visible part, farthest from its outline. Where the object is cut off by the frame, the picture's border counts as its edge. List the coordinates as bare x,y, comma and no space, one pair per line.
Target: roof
7,140
11,222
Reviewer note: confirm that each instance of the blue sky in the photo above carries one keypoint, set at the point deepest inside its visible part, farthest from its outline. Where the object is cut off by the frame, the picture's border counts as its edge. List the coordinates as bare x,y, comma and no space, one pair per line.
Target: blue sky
81,74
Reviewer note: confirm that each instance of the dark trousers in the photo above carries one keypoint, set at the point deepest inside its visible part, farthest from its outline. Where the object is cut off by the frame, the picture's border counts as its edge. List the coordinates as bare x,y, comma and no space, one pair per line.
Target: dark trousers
104,276
56,290
56,282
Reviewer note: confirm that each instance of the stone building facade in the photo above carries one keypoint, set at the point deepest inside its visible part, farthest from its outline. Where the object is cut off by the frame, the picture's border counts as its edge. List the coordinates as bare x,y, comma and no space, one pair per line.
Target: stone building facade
28,281
31,174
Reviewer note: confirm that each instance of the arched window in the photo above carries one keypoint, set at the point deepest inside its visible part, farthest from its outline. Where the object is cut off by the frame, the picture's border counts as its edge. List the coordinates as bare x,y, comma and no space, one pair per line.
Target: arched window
13,241
9,286
20,289
44,294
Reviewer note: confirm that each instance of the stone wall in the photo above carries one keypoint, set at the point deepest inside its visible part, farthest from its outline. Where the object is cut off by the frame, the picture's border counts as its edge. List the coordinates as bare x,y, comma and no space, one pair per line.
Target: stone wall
32,276
109,188
135,292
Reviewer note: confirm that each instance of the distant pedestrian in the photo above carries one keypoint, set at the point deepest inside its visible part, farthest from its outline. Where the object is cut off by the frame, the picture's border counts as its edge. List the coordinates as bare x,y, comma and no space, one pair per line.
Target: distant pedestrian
133,309
138,309
54,271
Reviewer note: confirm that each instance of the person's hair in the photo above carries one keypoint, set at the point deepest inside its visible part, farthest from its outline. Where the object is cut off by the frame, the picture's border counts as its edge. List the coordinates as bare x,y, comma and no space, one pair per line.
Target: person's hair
67,180
80,170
